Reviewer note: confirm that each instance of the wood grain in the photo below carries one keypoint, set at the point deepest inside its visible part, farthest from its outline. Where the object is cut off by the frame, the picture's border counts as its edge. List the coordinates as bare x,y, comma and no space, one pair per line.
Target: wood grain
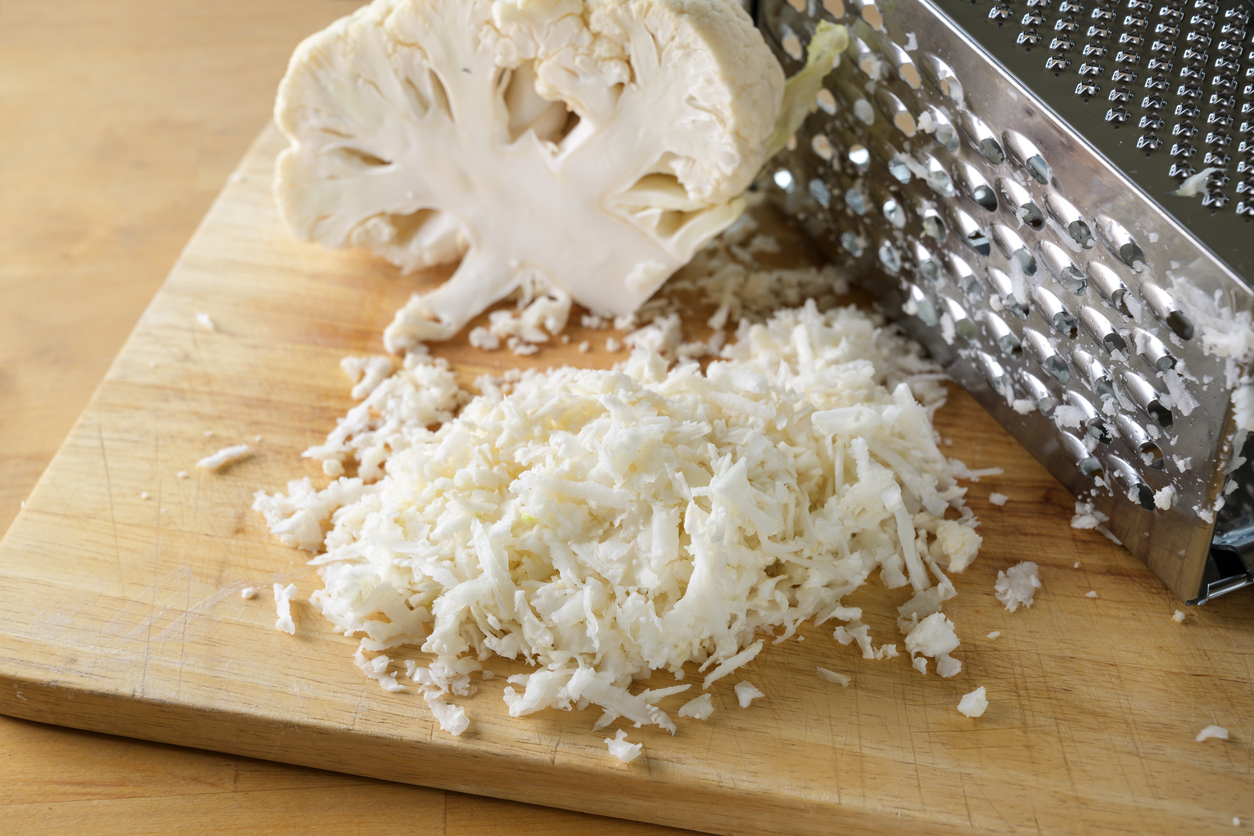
123,613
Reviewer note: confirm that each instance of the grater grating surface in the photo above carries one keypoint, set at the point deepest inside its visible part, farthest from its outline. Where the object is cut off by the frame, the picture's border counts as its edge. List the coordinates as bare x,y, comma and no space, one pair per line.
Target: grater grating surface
995,172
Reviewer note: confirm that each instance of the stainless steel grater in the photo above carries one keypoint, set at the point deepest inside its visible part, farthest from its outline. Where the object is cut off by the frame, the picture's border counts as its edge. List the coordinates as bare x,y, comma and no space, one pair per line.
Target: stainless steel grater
1000,175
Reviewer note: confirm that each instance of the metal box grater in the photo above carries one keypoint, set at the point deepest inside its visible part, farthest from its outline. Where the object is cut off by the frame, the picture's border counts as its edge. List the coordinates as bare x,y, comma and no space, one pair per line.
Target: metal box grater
999,174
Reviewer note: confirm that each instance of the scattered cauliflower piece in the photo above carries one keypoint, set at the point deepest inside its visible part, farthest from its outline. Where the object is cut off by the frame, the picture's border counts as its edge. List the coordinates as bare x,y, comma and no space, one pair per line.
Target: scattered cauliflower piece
1217,732
974,704
934,637
699,708
621,749
996,634
832,676
248,593
747,692
1090,594
1178,617
205,321
224,457
431,131
998,498
1017,585
283,596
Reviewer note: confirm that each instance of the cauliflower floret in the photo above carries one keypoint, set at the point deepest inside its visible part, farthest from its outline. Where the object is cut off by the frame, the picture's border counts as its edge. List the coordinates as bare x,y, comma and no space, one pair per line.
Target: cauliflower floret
589,147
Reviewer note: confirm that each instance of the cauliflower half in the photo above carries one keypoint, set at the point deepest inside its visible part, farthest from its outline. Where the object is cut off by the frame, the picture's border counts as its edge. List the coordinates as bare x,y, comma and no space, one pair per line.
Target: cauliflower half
585,147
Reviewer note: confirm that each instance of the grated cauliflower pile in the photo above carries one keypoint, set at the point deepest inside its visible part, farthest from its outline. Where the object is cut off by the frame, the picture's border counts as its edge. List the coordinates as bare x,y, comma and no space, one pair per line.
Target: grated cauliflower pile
606,524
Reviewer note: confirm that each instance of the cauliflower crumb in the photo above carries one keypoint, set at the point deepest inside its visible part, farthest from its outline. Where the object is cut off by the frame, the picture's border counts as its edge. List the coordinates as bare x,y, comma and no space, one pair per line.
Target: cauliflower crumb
699,708
584,347
612,345
998,498
1017,585
484,339
1075,565
183,474
283,596
832,676
225,456
1217,732
973,704
205,321
248,593
1090,594
144,495
621,749
996,634
957,543
1164,497
934,637
746,693
1178,617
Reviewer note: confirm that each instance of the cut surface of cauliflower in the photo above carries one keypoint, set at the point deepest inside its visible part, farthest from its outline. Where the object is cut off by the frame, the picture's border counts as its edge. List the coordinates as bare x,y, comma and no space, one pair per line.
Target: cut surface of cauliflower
585,146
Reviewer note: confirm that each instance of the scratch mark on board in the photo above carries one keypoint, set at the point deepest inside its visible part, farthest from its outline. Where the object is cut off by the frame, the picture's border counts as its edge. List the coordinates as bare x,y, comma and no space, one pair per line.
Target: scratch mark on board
113,521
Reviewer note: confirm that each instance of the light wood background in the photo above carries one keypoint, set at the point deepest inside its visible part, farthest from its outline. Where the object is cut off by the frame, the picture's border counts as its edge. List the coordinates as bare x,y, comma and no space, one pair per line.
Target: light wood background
1096,701
119,122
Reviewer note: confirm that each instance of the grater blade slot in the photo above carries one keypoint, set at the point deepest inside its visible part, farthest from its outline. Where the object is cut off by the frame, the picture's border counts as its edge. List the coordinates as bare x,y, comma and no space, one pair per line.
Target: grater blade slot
1230,565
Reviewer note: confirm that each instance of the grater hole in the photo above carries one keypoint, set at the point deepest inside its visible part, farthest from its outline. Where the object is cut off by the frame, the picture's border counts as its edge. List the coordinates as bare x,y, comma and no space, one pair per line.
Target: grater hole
1109,286
819,191
852,244
894,213
783,179
1045,353
1002,335
1137,491
1085,462
854,200
1055,314
1166,310
1013,248
942,78
972,235
1084,416
1101,329
1147,398
1024,208
1026,155
859,157
917,304
981,138
835,8
928,266
996,376
826,102
1153,351
822,147
889,257
1012,296
1060,266
1119,241
1098,379
934,226
1044,402
983,195
938,178
1069,219
963,325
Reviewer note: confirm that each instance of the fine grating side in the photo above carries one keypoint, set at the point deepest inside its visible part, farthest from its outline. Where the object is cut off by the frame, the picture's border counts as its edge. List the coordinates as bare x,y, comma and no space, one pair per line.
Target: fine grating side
1028,242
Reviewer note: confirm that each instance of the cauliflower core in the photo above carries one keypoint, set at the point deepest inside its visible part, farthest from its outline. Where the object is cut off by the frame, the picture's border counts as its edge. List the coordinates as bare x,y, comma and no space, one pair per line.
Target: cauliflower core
585,148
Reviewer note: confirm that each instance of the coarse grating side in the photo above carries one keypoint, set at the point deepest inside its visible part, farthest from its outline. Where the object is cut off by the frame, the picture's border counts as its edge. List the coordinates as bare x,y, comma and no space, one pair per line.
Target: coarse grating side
1028,243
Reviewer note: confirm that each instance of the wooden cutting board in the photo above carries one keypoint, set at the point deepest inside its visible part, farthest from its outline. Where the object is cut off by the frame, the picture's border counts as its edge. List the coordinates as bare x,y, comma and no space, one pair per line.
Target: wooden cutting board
123,614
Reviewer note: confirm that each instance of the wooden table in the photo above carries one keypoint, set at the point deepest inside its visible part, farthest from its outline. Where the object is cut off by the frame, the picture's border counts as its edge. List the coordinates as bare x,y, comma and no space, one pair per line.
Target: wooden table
119,122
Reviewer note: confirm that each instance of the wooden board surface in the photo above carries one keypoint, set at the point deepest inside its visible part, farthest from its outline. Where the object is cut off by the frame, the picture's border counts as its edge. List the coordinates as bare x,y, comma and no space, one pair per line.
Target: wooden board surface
123,614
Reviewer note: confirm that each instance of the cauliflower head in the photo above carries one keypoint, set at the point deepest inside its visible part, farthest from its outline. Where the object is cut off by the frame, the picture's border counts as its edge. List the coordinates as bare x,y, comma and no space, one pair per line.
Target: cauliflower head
586,147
